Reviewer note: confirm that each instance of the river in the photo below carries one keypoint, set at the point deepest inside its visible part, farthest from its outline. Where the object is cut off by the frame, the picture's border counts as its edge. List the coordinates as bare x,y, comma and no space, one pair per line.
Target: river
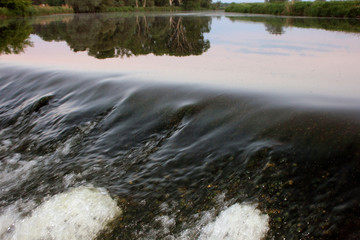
193,125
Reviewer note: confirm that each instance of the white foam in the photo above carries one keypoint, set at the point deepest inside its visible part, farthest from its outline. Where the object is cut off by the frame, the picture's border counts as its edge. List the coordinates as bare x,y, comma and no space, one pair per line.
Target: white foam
238,222
11,214
78,214
7,218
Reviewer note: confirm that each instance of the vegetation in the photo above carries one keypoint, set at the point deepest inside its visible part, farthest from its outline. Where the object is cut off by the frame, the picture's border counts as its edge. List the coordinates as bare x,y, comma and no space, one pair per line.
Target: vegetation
88,5
49,2
15,7
276,25
349,9
4,12
48,10
131,5
11,8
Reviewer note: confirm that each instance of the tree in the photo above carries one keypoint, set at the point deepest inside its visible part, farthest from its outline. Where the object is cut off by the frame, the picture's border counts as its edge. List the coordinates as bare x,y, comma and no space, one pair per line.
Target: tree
49,2
205,3
161,2
55,2
38,2
83,6
17,6
191,4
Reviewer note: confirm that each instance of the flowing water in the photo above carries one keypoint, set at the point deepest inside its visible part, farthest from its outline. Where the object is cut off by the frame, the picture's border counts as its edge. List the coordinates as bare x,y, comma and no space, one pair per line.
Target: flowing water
179,126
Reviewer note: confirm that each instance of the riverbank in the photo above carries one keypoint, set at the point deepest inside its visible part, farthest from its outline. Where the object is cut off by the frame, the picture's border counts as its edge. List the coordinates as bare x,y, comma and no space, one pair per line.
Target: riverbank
51,10
143,9
348,9
35,11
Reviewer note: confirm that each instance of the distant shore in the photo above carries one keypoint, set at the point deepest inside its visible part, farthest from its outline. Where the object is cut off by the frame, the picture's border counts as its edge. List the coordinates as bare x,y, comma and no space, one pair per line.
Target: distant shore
343,9
51,10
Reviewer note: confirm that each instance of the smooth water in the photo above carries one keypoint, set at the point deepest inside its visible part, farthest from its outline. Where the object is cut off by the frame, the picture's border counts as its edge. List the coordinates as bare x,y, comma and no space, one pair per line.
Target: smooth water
179,126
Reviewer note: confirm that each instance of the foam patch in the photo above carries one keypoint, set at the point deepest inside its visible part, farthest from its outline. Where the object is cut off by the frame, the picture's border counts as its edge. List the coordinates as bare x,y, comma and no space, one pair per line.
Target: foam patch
240,222
78,214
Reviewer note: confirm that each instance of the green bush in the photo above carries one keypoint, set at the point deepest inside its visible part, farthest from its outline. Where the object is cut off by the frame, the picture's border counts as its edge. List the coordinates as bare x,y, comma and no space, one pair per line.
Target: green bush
314,10
37,10
4,12
18,7
297,8
191,4
353,12
275,8
119,9
311,9
85,6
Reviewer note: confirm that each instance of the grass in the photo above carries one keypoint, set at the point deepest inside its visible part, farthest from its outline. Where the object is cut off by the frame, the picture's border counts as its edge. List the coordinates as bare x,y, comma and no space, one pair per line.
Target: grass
47,10
35,11
348,9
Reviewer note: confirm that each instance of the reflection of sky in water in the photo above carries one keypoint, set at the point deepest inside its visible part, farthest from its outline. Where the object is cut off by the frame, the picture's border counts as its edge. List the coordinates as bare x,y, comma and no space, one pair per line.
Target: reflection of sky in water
299,49
268,44
242,55
276,48
261,51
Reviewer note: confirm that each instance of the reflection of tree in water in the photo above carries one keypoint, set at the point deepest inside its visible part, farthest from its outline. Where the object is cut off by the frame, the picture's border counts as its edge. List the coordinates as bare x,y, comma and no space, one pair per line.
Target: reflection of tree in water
14,36
52,31
108,37
185,36
274,29
178,39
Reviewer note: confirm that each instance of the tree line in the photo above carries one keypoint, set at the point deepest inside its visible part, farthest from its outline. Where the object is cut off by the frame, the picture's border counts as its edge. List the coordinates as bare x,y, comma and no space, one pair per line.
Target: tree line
100,5
81,6
317,8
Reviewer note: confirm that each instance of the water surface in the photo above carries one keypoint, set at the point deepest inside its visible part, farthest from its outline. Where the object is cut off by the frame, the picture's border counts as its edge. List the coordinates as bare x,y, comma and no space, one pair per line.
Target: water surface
316,57
179,126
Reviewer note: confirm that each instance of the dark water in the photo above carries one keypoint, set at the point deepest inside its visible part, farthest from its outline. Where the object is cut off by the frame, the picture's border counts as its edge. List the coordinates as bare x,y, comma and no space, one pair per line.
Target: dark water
173,157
